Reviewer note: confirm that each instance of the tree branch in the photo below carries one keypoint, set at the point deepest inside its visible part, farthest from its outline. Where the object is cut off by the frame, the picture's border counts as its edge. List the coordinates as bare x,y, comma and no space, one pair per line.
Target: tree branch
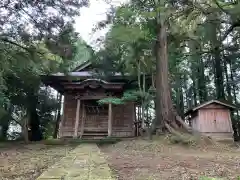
230,29
220,7
4,39
17,122
14,43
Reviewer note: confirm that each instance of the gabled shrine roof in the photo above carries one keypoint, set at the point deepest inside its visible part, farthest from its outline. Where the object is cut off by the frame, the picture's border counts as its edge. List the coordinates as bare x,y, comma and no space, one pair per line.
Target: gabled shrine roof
82,66
80,74
86,73
83,70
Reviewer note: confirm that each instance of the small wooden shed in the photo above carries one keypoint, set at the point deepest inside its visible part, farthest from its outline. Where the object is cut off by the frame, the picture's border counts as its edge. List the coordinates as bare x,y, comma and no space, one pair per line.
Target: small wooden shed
212,118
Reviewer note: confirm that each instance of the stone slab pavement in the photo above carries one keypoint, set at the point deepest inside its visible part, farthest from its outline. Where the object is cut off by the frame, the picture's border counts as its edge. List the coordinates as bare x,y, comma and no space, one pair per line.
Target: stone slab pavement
85,162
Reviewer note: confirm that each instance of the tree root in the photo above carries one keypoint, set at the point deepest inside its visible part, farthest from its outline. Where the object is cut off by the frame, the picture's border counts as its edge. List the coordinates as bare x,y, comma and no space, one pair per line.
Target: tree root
171,129
182,133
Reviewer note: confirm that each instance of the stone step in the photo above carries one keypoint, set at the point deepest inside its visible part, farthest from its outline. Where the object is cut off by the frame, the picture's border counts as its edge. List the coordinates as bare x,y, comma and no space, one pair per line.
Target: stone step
94,135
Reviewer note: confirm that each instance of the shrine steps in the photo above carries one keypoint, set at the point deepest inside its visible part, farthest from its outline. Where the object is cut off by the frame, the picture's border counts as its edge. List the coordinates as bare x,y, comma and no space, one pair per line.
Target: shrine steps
94,134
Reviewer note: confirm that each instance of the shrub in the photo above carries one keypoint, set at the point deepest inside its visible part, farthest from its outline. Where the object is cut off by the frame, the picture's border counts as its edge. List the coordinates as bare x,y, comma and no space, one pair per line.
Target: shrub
183,139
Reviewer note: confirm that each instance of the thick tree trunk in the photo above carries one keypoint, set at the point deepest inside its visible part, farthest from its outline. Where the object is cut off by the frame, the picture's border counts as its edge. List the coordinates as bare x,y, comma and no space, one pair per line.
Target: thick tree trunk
164,105
167,119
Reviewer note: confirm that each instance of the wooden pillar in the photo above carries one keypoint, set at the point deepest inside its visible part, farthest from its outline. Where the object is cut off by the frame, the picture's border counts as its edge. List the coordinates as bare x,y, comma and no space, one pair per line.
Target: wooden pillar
77,119
110,115
83,120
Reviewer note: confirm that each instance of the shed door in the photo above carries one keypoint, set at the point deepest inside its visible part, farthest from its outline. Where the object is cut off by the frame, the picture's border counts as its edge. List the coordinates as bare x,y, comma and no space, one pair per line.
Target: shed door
206,120
222,120
214,120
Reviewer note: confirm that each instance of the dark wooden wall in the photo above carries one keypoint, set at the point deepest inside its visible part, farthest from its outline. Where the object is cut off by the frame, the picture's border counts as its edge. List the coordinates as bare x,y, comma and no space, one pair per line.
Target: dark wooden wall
123,118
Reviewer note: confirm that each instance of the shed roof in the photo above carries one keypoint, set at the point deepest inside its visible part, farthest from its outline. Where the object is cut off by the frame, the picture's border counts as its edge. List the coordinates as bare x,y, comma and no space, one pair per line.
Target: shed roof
228,105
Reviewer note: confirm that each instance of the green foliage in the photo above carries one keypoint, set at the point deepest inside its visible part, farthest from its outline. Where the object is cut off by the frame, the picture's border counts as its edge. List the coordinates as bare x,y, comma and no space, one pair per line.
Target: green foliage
183,139
46,106
116,101
203,49
83,53
130,95
33,42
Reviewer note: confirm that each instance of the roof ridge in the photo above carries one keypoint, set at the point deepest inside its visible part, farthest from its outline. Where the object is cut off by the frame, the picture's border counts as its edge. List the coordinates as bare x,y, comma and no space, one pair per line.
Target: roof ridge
82,66
210,102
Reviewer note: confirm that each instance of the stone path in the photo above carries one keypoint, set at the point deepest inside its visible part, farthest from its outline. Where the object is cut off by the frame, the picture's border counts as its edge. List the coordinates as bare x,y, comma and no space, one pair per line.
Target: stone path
85,162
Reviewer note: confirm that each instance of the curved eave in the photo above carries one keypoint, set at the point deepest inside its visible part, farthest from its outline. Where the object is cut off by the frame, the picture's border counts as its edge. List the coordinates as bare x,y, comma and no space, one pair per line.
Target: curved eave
62,85
59,81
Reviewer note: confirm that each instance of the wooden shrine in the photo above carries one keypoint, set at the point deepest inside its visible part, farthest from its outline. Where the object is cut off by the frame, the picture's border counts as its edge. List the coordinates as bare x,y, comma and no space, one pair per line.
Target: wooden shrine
82,114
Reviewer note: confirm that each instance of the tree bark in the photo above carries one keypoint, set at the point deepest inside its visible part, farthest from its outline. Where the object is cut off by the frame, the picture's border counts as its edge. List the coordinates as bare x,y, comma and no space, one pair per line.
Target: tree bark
167,119
164,105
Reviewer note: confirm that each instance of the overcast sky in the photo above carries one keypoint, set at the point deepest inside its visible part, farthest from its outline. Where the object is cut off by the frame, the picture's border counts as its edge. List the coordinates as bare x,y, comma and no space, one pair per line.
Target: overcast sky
90,16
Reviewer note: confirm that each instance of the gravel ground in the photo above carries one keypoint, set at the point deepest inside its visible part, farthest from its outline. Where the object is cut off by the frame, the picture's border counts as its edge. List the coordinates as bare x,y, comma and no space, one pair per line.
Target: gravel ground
26,162
144,160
